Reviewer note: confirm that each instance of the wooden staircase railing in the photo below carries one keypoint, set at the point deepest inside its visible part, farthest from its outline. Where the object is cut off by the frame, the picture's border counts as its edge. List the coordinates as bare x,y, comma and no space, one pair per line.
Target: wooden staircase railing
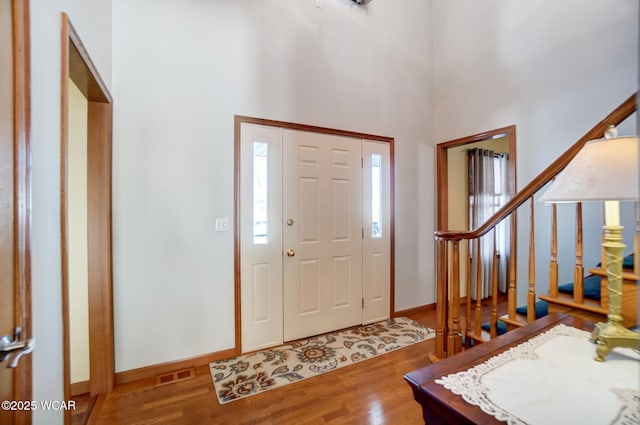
451,324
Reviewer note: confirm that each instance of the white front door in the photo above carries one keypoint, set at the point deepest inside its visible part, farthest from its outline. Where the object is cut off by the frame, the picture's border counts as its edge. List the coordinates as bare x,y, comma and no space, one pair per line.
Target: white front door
315,233
322,233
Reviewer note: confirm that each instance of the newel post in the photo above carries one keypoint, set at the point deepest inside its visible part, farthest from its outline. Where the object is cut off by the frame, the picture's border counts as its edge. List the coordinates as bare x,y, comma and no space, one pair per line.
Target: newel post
441,299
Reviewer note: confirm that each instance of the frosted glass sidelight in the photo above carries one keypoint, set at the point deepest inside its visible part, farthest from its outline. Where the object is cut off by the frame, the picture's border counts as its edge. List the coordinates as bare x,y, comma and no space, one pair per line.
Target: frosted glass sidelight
376,196
260,193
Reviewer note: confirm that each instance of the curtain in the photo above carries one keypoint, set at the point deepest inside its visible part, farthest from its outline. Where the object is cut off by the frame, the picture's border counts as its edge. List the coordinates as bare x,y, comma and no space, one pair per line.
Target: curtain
488,191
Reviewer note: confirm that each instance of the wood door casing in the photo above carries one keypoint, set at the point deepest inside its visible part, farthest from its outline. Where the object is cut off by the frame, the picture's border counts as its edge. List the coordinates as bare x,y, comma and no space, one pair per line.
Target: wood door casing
77,66
239,122
442,188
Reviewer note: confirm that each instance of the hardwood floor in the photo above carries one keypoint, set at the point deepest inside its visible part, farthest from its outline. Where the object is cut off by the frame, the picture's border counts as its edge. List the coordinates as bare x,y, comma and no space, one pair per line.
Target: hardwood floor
84,405
370,392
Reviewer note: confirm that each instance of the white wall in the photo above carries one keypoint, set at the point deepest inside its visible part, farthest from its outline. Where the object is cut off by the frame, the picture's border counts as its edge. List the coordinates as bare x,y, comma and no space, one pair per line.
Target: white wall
552,68
181,72
92,20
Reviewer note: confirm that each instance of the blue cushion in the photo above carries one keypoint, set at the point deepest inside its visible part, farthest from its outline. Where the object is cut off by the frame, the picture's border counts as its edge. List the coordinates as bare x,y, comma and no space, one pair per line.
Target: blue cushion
627,262
472,342
591,287
501,327
542,309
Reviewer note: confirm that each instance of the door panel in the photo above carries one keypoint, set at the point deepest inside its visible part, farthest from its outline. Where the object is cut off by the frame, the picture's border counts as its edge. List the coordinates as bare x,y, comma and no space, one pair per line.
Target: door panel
309,207
341,279
15,202
7,321
261,236
260,286
309,286
376,191
322,200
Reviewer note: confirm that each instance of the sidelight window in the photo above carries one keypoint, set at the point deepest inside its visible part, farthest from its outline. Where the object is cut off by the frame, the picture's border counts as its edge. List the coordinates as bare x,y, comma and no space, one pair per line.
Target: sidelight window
260,193
376,195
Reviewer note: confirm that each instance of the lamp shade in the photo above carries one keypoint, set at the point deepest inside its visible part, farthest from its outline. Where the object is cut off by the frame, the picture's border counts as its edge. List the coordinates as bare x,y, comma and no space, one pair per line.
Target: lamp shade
604,170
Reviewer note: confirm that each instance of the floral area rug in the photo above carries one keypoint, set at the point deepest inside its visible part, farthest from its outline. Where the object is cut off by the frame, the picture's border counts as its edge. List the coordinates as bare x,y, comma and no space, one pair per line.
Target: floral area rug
263,370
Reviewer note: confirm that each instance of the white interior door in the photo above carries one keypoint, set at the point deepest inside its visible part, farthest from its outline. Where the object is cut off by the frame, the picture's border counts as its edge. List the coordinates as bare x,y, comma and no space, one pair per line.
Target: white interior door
376,219
261,236
322,234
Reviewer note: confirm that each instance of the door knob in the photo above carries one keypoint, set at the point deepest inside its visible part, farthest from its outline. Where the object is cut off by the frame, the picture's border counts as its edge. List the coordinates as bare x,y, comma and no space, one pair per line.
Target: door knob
291,253
289,222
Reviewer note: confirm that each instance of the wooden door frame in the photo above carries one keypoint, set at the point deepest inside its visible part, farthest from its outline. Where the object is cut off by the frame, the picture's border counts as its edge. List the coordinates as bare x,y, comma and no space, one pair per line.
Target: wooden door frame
22,196
442,169
78,67
238,121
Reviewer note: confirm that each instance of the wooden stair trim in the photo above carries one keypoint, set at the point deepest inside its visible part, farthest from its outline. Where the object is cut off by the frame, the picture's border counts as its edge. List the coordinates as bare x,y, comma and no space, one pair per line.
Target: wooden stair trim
568,302
514,322
448,338
484,336
625,275
621,113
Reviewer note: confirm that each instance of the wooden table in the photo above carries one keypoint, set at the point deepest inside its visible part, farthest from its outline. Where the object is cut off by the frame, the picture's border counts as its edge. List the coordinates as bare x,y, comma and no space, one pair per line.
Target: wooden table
441,406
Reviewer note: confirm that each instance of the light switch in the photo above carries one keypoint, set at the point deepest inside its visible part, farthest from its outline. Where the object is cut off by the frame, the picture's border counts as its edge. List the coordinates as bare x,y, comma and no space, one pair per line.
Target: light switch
222,224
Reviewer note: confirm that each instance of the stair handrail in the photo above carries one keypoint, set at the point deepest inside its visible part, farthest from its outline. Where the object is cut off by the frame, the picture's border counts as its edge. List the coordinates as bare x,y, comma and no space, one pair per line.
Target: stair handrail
621,113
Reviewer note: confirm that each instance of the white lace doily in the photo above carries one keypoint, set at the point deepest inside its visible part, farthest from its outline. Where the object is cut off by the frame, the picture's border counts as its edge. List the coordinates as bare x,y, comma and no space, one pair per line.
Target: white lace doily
553,378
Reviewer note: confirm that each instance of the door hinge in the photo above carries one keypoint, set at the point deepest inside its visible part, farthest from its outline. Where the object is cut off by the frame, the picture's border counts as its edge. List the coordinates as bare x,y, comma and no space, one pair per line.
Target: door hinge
361,162
363,302
363,233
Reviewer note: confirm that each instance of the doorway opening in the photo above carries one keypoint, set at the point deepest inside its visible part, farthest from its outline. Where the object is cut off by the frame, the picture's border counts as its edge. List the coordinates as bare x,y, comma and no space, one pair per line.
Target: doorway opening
85,211
463,202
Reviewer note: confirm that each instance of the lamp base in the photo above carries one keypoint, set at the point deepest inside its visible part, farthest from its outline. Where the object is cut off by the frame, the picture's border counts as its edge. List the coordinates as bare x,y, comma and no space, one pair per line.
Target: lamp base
611,335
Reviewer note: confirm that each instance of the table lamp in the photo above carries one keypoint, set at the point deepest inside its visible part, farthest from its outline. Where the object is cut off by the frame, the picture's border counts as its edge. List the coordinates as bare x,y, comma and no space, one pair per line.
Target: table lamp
605,170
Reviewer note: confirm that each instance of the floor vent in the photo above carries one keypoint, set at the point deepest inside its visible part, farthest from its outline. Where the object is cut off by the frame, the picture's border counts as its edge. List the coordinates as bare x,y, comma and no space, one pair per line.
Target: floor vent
173,377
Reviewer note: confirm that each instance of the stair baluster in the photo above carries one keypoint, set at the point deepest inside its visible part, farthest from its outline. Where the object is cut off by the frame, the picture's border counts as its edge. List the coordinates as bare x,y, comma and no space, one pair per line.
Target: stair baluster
531,295
454,341
512,291
442,298
494,289
477,330
553,266
468,292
